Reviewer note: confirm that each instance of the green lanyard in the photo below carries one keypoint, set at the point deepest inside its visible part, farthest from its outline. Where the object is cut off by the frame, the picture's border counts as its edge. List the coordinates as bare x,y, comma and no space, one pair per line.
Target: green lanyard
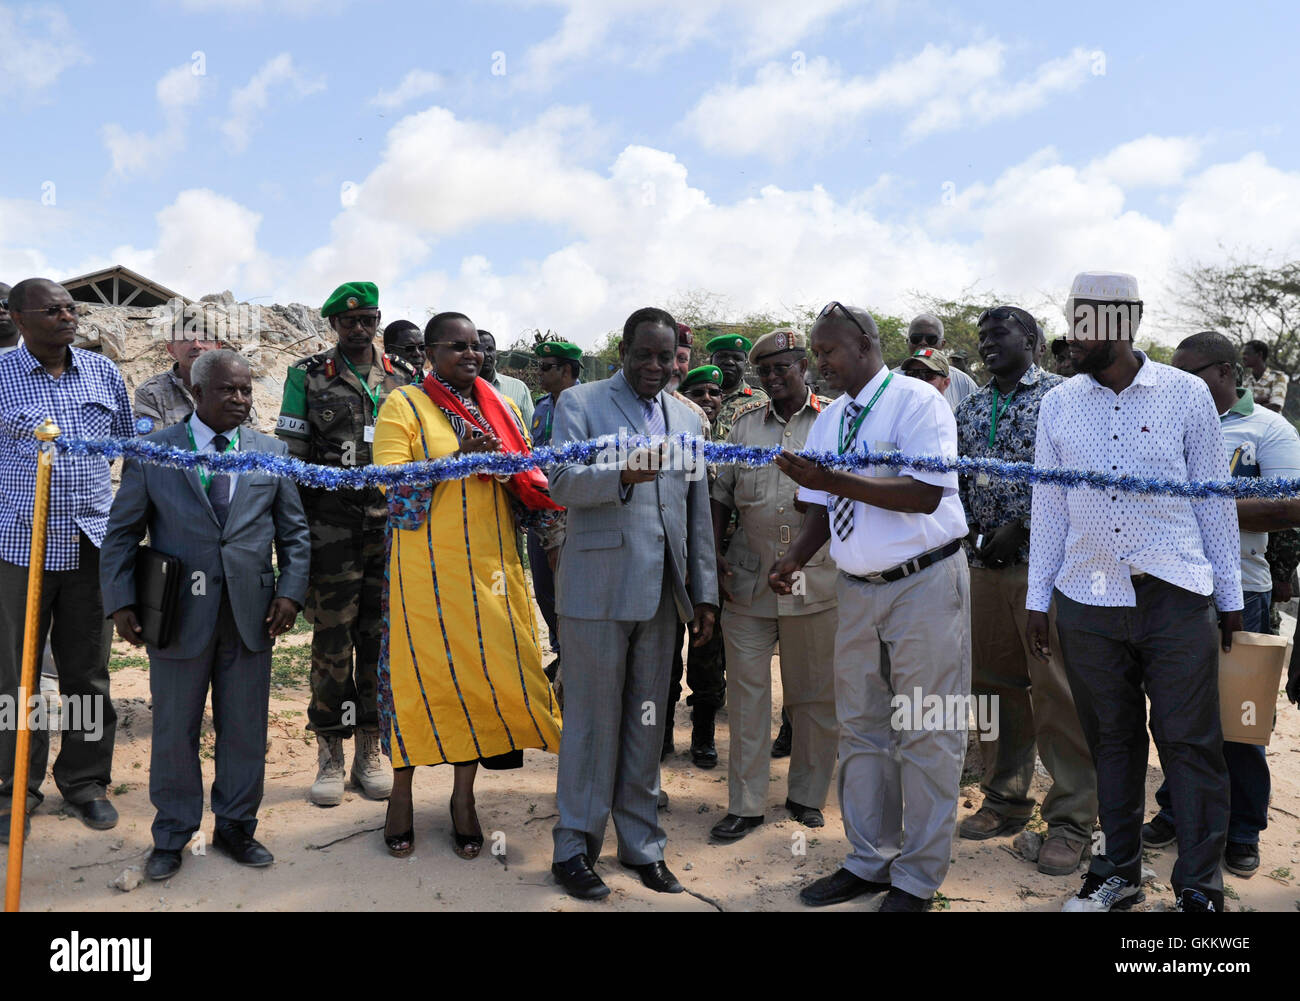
374,395
205,475
857,421
993,427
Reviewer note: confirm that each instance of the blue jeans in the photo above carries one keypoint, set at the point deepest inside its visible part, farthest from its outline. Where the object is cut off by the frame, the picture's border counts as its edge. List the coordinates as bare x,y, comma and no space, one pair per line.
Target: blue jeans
1247,765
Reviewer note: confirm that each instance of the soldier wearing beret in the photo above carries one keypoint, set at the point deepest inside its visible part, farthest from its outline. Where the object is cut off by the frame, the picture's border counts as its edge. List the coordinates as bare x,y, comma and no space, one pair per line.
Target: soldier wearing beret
703,386
559,365
730,352
327,417
802,623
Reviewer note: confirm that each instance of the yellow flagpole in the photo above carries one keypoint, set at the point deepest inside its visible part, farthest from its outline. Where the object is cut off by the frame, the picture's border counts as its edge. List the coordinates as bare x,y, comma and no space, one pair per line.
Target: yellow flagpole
46,434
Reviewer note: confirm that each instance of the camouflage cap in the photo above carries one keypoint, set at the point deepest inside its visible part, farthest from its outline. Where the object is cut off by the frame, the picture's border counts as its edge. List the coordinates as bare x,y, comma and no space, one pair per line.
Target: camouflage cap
776,341
932,358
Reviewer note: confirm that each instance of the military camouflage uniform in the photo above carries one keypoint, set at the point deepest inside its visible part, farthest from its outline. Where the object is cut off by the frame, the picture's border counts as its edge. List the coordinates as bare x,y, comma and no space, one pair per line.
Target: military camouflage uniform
323,420
163,401
739,398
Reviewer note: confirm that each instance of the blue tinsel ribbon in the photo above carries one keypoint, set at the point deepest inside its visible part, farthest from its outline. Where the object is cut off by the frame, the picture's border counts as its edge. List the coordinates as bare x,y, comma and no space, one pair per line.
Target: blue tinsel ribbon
585,452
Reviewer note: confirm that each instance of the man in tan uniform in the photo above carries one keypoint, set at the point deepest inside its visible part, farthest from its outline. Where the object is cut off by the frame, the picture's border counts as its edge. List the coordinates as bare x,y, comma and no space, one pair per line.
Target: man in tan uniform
165,399
756,619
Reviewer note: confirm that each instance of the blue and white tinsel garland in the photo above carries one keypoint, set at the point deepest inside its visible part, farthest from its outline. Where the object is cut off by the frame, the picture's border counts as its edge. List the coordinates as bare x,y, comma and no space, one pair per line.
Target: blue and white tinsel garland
694,449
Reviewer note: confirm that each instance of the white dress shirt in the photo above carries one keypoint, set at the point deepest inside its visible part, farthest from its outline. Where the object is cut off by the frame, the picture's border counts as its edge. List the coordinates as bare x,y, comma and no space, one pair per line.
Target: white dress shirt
203,436
912,417
1087,542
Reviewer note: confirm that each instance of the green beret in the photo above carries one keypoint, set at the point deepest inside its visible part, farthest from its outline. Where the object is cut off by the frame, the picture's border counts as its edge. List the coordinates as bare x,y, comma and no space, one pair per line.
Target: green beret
559,349
351,295
728,342
705,373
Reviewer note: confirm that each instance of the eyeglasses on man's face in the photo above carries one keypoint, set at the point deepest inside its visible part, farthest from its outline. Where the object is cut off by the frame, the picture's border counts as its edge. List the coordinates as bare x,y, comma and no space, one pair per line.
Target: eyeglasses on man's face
548,366
370,320
925,374
778,369
923,340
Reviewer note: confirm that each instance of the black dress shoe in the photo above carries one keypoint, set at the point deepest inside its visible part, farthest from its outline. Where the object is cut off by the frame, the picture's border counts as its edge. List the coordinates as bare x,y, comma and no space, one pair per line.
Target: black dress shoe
784,739
657,877
241,847
579,879
6,819
809,816
97,814
733,827
900,901
164,863
838,887
703,752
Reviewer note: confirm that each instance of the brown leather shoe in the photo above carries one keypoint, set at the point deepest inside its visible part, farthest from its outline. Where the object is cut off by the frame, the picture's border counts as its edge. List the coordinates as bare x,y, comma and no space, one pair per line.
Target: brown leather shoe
1059,856
988,823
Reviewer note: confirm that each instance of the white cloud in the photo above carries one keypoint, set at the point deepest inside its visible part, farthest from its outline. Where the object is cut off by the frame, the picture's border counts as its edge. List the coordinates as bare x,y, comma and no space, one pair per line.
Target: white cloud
1152,161
788,108
416,83
177,91
38,45
249,101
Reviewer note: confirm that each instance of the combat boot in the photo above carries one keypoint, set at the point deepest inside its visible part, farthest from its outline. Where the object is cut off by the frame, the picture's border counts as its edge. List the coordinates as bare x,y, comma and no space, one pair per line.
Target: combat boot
703,753
368,769
327,790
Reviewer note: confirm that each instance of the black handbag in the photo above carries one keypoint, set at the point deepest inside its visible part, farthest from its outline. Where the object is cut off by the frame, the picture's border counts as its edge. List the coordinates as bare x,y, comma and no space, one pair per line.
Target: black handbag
157,593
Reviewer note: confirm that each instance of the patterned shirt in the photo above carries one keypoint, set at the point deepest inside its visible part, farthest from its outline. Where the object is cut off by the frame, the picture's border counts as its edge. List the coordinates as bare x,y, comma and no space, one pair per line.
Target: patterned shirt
991,502
1088,543
1269,389
88,400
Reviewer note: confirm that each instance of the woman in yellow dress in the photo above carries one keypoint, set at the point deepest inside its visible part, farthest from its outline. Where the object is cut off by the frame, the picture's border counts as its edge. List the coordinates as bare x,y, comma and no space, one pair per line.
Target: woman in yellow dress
460,671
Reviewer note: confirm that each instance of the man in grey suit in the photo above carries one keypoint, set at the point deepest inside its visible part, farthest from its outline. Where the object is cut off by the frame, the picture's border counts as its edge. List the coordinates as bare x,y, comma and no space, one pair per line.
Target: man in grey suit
222,527
638,554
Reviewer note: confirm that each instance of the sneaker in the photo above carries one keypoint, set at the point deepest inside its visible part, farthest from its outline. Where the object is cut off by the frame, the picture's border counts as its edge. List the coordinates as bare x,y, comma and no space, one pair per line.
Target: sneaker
1195,901
1112,894
1241,859
1158,833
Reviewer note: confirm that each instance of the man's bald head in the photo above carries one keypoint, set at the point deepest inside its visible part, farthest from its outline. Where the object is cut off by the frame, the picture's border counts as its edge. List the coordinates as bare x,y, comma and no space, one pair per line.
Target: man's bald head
925,331
846,344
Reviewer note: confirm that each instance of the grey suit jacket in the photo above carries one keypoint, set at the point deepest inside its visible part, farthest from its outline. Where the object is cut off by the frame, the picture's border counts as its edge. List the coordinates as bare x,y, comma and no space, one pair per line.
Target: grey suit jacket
173,507
617,542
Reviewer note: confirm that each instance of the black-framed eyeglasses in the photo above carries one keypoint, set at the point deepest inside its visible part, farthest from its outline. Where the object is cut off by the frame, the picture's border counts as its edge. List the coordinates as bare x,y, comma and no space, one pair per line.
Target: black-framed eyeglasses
1198,371
1000,314
352,322
460,347
777,369
920,372
547,366
929,340
51,311
830,307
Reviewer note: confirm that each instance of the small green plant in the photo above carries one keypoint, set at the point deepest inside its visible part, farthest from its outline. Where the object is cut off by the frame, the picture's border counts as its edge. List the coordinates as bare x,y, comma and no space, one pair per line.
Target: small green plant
121,790
1230,893
940,902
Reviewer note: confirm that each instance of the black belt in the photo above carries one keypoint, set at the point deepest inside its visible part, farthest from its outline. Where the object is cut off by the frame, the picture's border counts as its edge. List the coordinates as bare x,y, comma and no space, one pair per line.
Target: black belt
910,567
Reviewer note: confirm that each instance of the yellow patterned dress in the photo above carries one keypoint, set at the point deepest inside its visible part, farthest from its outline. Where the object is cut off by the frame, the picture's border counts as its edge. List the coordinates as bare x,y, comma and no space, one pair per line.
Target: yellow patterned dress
460,670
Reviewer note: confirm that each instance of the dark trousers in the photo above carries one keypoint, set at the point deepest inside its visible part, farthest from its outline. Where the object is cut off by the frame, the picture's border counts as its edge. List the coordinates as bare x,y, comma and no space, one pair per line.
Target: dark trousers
1248,779
706,671
1167,645
72,615
241,691
544,589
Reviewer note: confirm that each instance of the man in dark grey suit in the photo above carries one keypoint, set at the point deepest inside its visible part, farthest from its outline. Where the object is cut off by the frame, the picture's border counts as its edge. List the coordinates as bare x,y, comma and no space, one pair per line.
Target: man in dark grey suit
638,554
222,528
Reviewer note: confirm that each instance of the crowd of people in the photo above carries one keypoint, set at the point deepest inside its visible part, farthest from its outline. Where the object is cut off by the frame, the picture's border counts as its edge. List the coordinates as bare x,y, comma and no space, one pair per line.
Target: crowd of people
1059,610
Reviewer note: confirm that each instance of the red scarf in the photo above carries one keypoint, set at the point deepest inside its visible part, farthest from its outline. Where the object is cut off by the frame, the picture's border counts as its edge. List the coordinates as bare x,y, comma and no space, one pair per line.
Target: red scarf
530,486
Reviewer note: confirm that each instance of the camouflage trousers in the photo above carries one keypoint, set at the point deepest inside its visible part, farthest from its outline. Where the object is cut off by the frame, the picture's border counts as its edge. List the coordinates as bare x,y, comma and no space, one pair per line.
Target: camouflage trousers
344,605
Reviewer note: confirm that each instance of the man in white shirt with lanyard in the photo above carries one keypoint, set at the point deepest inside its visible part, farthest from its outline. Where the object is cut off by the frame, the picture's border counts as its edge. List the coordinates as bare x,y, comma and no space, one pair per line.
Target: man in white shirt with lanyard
903,641
1136,578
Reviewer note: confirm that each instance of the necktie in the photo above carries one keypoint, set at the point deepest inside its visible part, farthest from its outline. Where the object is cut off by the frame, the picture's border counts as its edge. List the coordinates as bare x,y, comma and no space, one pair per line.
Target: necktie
842,507
654,419
219,486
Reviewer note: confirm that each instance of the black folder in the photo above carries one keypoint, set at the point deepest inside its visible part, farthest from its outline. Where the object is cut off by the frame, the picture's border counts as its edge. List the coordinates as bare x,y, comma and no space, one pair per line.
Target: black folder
157,593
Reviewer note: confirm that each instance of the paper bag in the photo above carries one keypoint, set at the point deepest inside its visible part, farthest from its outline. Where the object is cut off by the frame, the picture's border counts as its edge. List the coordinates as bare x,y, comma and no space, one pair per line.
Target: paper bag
1249,678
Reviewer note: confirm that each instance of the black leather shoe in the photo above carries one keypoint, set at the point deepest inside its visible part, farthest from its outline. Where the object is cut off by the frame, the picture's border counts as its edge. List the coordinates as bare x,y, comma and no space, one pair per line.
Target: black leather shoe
6,819
703,753
809,816
164,863
733,827
657,877
579,879
97,814
900,901
838,887
241,847
784,739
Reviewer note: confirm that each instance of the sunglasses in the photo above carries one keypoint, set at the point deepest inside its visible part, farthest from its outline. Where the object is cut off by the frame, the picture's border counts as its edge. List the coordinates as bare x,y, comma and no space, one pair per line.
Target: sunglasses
51,311
777,369
352,322
1000,314
1198,371
547,366
460,347
929,340
926,374
830,307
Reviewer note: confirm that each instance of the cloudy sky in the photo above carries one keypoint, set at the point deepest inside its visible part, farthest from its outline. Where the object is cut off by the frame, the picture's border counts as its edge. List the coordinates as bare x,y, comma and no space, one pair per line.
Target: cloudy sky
558,163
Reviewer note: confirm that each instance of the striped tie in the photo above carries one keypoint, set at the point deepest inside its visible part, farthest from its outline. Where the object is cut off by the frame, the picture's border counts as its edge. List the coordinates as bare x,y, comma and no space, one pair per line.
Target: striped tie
842,507
654,419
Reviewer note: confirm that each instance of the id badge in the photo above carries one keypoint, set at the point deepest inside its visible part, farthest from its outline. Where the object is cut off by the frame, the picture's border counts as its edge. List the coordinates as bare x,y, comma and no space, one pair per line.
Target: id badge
368,435
981,479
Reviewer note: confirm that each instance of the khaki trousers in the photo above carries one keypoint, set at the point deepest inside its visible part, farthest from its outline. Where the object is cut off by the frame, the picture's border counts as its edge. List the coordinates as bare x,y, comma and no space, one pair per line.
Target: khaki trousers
808,682
1034,706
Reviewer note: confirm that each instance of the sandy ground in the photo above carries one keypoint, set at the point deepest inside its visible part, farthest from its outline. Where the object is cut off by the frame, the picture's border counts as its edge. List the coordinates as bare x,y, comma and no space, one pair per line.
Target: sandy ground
334,859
